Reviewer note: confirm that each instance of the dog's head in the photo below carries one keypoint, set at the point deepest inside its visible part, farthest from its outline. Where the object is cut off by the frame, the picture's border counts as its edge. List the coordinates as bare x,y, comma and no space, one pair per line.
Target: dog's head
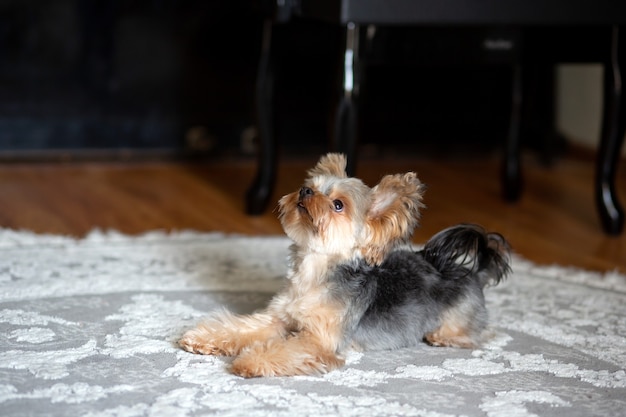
338,215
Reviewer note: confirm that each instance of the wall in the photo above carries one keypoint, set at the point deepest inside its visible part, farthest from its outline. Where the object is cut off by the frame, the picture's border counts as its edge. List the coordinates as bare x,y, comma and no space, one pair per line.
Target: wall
579,103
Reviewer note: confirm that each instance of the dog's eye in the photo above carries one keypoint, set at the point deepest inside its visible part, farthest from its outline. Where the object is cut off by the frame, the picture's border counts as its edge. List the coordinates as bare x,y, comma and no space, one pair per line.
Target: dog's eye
338,205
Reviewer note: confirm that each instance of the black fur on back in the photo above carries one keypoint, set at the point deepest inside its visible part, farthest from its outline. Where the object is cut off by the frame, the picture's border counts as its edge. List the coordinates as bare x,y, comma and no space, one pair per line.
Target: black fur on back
395,304
467,249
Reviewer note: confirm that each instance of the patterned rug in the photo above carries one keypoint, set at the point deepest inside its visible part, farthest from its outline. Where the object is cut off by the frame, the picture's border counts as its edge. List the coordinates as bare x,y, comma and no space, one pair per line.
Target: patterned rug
88,328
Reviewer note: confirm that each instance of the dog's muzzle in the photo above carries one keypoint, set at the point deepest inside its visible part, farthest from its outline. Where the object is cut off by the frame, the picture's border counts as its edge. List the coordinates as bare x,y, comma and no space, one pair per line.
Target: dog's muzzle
305,193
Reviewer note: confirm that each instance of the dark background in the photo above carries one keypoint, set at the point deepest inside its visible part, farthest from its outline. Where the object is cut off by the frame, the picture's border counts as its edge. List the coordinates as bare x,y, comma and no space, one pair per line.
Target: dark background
88,78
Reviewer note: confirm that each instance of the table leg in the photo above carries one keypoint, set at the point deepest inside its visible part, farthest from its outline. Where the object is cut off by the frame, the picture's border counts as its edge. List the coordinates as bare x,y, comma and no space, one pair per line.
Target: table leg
260,191
346,120
511,171
612,137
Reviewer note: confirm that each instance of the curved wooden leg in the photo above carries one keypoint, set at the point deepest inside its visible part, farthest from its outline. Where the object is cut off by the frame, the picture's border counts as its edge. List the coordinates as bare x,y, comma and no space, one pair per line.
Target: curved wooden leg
345,134
259,193
511,171
612,137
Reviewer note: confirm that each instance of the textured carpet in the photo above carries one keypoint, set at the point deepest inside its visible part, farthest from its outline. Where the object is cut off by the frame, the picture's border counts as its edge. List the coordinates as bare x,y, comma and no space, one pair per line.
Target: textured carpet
88,328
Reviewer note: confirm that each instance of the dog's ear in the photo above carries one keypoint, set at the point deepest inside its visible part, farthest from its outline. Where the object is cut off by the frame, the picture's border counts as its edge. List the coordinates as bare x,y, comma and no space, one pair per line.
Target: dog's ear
393,214
332,164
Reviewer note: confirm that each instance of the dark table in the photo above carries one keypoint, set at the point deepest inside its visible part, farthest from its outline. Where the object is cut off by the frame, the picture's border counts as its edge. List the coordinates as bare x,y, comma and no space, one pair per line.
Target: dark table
608,48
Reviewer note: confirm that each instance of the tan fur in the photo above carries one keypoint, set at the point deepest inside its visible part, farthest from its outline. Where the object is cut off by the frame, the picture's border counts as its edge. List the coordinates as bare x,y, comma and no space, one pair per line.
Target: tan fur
393,214
301,330
227,334
331,165
454,331
450,335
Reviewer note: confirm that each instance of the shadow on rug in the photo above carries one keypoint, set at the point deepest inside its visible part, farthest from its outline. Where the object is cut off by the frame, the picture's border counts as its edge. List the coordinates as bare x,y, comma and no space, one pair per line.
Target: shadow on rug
88,328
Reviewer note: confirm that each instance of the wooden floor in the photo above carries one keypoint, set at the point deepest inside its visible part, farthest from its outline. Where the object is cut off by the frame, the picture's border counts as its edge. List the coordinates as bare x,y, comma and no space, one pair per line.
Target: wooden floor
555,222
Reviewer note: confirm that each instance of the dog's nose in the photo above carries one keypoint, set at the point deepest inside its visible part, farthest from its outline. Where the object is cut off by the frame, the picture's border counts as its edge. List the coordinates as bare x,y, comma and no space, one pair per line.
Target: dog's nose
305,192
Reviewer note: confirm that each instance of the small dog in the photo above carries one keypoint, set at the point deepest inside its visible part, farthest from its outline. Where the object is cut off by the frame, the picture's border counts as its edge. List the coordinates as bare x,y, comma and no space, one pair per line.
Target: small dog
351,284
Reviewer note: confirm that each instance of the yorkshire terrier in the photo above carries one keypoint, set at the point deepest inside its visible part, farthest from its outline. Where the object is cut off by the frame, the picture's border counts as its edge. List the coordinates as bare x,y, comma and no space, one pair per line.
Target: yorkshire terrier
353,283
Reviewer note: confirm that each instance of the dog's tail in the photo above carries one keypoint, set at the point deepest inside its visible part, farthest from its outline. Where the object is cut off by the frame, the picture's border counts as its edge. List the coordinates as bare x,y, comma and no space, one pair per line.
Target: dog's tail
468,250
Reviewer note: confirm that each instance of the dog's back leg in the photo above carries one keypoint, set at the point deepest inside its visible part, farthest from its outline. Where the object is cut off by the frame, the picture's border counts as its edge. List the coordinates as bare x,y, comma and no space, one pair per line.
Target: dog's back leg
461,326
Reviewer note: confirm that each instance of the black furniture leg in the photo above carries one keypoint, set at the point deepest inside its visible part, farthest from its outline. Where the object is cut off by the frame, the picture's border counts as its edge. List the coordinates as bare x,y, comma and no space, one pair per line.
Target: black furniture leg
511,171
259,193
612,137
345,134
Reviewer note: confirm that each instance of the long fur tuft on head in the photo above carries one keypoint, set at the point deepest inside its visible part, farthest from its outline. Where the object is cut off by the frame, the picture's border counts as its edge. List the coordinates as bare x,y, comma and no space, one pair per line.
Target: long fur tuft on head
332,165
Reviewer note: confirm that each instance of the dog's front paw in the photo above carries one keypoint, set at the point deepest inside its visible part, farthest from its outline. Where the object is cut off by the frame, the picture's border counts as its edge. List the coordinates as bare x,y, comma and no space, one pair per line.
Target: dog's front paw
200,341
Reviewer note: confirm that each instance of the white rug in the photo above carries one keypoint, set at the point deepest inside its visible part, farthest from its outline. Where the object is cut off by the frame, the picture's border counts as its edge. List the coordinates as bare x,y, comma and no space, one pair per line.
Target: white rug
88,328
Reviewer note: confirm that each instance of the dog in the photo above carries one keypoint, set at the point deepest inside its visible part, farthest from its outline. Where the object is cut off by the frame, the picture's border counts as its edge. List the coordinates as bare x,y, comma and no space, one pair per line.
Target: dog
353,282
